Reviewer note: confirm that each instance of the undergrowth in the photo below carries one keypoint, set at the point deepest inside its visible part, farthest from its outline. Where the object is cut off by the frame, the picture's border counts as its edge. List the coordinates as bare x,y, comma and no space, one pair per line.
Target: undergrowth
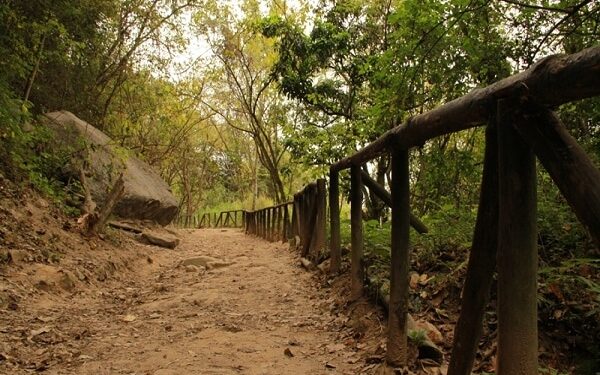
29,157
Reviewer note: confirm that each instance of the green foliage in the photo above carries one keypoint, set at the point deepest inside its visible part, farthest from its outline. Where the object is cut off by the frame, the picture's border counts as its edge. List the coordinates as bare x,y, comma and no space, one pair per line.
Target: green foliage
417,336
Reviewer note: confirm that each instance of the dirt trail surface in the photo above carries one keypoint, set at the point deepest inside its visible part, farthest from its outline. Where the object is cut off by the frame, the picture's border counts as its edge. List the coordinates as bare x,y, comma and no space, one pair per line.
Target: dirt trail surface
221,303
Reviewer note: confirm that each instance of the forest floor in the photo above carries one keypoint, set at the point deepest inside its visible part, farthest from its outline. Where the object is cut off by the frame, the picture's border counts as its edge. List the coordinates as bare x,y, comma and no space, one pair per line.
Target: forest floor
70,305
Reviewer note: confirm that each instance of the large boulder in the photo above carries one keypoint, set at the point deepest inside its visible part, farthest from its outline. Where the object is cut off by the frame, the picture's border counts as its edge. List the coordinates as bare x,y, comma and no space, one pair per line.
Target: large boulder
147,195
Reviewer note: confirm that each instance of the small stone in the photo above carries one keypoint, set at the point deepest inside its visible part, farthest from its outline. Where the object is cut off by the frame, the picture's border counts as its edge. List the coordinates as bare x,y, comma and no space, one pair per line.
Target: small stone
18,256
288,352
129,318
191,268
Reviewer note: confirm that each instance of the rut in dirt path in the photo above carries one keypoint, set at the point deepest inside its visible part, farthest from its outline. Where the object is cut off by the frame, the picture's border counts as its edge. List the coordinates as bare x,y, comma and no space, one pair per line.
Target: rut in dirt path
257,312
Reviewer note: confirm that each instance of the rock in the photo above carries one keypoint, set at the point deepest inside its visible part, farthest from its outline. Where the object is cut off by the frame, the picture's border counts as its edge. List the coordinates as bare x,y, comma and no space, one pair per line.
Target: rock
146,196
39,331
67,280
191,268
18,256
433,333
129,318
157,239
205,262
47,278
288,352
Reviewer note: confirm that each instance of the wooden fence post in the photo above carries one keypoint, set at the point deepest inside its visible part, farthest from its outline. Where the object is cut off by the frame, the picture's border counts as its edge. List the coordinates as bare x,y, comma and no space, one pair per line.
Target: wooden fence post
265,223
570,167
482,264
398,306
318,230
382,194
273,224
286,223
356,270
279,222
305,215
226,221
295,222
268,224
517,250
335,247
262,223
258,215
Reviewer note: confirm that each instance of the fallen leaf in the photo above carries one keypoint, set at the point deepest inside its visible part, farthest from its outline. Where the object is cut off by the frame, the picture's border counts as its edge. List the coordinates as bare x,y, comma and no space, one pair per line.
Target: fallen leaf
288,352
414,280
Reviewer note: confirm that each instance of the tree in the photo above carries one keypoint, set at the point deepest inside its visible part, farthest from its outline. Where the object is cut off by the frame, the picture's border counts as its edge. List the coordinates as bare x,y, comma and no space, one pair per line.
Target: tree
248,102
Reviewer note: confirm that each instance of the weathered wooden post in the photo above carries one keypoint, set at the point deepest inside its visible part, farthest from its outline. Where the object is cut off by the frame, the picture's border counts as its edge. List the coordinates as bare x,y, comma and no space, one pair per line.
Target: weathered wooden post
268,224
335,246
263,226
570,167
482,264
265,223
305,214
517,250
398,307
274,233
303,219
357,275
279,231
286,223
258,222
294,225
319,230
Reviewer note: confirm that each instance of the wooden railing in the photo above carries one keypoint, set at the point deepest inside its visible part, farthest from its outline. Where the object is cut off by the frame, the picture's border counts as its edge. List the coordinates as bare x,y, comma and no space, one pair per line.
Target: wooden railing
223,219
520,127
302,221
187,221
271,223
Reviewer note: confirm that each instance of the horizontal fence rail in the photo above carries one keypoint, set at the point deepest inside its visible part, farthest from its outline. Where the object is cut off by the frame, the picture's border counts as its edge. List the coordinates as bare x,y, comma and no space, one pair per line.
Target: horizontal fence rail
520,127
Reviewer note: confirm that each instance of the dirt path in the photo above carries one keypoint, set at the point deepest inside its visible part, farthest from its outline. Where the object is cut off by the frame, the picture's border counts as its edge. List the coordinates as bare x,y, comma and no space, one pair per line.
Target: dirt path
256,312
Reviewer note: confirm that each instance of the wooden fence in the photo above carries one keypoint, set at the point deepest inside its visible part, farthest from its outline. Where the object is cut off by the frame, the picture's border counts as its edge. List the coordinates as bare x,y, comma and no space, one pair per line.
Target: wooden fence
230,219
520,127
187,221
303,221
